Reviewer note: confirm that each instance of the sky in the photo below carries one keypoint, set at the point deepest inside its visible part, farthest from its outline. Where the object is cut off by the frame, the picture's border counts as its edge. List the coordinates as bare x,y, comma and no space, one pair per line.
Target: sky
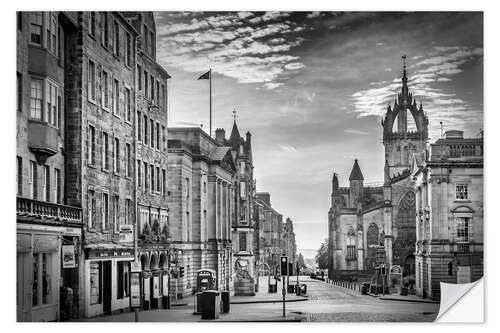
312,88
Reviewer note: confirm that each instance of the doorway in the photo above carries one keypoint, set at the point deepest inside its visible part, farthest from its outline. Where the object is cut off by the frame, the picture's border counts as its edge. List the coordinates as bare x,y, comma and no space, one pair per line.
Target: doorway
106,287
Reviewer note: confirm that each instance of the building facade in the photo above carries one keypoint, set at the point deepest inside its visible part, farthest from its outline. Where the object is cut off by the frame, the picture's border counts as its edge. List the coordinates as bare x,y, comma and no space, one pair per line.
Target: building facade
370,221
201,206
242,228
151,86
100,154
49,226
449,213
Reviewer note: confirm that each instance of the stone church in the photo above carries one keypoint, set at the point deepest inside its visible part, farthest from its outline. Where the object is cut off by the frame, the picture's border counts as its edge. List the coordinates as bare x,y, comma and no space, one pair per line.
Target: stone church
370,224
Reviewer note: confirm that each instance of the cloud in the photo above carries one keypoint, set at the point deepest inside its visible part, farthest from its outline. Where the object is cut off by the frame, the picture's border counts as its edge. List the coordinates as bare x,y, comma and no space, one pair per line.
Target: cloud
249,47
288,149
353,131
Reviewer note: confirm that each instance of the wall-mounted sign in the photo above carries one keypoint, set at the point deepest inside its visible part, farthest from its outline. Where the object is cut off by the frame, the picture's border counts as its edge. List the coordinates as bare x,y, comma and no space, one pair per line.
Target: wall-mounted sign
96,254
68,256
126,233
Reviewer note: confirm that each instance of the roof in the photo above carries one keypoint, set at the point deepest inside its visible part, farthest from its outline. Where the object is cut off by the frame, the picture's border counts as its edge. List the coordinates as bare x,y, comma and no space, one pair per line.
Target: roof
235,134
218,153
356,172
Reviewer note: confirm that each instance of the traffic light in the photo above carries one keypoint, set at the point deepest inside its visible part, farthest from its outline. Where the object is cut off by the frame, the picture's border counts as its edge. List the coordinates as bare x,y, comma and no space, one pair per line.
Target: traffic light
383,270
284,265
181,271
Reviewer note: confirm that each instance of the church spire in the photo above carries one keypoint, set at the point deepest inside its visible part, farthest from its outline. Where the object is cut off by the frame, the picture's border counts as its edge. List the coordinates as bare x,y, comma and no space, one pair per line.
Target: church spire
356,172
404,89
235,133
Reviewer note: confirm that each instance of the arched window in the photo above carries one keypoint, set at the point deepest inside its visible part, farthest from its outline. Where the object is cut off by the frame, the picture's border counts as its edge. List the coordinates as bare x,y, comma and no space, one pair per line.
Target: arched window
351,245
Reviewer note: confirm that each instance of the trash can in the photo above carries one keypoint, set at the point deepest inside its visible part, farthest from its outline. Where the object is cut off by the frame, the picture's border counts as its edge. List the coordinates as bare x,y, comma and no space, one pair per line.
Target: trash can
210,304
225,300
364,288
297,290
303,289
273,288
198,303
290,288
165,302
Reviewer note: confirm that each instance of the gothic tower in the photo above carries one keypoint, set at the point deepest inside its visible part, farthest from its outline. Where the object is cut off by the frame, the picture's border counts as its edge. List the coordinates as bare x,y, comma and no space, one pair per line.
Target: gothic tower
400,140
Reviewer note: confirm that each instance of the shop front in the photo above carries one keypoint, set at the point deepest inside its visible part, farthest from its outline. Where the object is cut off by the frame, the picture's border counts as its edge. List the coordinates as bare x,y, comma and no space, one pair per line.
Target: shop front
155,280
107,278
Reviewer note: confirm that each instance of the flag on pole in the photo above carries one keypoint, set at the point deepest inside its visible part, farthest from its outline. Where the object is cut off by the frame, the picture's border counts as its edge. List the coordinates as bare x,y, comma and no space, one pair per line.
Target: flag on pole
205,76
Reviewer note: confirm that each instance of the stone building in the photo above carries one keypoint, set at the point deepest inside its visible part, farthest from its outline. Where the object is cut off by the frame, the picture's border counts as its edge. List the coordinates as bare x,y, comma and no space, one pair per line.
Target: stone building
449,213
151,86
289,243
100,153
367,221
269,226
201,206
49,226
242,221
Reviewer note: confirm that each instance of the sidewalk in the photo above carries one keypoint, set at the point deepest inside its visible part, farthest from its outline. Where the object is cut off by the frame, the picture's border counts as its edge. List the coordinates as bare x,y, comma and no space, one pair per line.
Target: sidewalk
409,298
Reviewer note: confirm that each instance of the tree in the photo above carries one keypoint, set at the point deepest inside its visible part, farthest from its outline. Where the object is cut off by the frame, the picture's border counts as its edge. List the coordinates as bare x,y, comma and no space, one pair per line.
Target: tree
321,257
301,262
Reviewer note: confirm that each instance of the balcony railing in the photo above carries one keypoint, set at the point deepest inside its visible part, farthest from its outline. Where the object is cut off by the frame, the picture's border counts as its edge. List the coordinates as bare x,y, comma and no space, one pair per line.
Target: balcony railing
44,209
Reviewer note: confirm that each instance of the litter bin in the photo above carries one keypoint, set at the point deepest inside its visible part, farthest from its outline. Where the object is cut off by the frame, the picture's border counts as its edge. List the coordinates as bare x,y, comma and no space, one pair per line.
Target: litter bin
224,296
290,288
272,288
297,290
303,289
210,308
198,302
364,288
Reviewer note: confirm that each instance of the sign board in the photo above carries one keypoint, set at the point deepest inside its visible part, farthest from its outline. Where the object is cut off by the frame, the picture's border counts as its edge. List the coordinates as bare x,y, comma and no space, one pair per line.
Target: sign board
135,289
126,232
68,256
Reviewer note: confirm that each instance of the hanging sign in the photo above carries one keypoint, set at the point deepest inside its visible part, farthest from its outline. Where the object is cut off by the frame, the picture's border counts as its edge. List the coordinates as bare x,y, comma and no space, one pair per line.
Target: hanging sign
68,256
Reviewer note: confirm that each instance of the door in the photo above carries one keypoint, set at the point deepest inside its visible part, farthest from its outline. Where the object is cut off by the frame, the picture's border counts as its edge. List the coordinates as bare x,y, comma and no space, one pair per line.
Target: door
106,286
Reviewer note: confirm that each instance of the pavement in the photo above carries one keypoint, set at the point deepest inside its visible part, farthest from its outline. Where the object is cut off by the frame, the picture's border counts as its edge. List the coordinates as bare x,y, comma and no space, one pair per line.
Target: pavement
325,302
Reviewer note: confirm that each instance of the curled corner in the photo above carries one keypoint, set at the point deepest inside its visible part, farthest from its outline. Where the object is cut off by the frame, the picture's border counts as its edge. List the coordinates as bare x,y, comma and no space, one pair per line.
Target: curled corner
457,306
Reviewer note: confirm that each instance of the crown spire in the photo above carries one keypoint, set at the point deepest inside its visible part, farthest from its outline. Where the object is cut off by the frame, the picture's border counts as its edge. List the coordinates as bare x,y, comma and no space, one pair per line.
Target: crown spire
404,89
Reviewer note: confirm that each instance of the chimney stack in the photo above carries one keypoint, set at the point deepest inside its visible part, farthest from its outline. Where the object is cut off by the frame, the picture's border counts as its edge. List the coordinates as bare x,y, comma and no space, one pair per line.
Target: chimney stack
220,136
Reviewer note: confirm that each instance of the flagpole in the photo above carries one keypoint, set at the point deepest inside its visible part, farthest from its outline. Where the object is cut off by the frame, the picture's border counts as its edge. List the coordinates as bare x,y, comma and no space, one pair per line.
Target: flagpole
210,78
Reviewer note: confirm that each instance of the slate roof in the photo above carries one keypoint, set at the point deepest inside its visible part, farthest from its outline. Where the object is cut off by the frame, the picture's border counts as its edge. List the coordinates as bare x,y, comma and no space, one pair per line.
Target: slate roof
356,172
218,153
235,134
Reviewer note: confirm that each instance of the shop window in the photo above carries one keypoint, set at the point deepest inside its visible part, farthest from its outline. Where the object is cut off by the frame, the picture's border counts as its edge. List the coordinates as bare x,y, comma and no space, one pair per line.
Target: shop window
95,283
123,271
42,284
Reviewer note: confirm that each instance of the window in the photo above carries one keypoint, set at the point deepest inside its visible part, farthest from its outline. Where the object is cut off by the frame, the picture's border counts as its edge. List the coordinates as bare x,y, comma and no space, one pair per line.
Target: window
164,96
105,89
36,99
145,176
243,241
158,179
145,129
116,97
19,21
462,224
51,24
128,114
139,128
157,92
139,77
351,245
128,164
122,279
152,184
139,174
92,23
128,50
152,141
105,30
105,151
19,78
91,81
51,112
116,156
242,167
91,206
461,192
95,282
33,180
145,38
57,186
19,175
158,136
91,143
243,189
151,42
46,183
42,279
164,182
128,207
36,28
105,212
146,90
450,268
152,86
117,39
163,138
116,213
